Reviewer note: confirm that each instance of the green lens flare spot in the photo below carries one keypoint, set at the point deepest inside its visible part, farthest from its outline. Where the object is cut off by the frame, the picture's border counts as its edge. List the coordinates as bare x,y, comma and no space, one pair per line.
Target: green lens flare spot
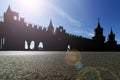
88,73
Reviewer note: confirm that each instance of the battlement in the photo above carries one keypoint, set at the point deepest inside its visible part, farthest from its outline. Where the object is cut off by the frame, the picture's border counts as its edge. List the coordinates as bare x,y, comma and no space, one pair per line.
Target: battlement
15,32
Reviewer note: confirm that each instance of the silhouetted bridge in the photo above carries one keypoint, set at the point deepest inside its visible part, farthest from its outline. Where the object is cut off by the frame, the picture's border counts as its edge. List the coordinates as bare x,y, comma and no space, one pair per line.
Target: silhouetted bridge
15,34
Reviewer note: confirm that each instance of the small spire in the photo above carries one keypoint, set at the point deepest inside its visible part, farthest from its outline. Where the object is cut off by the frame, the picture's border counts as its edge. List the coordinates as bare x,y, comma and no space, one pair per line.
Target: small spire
50,25
98,25
98,20
9,8
111,32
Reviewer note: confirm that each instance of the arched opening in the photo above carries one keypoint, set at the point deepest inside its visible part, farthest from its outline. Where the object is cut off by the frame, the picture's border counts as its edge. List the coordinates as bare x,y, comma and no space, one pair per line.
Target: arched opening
61,30
15,17
3,41
68,47
26,45
40,46
32,45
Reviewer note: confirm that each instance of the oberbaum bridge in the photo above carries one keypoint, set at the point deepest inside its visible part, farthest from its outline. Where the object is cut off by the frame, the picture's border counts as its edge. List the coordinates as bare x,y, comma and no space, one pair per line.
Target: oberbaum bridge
15,34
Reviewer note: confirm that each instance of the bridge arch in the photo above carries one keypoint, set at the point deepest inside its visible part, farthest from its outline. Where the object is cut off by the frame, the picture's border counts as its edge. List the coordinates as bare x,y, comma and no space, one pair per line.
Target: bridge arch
26,45
68,47
32,45
41,46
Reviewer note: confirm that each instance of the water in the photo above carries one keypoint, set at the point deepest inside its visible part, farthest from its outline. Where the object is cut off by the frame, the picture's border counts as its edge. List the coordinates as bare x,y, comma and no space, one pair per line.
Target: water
35,65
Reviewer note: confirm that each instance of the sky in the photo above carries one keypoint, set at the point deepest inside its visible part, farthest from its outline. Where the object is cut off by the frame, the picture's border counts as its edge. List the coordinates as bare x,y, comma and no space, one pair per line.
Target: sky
78,17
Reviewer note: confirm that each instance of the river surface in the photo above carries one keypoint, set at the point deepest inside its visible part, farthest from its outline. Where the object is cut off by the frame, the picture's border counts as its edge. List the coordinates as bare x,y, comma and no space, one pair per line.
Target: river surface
43,65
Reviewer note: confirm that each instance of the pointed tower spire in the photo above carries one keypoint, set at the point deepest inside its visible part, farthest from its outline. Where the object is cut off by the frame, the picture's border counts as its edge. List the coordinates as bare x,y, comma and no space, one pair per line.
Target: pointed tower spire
98,35
111,38
51,27
111,32
98,20
9,8
98,26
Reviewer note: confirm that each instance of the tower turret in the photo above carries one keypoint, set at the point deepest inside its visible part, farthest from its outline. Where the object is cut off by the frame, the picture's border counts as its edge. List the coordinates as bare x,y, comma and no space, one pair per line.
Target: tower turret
9,9
10,16
111,38
51,27
98,36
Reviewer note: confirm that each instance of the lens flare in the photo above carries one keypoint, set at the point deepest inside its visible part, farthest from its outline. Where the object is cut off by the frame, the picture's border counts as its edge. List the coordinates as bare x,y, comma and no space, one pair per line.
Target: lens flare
79,65
73,58
89,73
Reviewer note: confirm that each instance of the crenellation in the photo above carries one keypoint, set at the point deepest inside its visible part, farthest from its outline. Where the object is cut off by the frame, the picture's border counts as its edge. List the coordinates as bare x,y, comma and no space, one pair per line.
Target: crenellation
35,26
64,31
30,25
51,37
27,24
44,29
40,27
22,20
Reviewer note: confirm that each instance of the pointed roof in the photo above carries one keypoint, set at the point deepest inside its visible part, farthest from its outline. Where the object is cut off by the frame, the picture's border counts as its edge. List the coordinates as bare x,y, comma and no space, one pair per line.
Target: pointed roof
9,8
98,26
111,32
51,25
111,37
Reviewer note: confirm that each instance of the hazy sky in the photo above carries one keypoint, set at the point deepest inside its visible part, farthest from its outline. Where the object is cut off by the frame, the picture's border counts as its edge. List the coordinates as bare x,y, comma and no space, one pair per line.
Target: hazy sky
78,17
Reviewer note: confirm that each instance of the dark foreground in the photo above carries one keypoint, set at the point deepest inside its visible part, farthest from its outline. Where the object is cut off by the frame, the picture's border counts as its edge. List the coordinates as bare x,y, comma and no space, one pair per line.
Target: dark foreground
24,65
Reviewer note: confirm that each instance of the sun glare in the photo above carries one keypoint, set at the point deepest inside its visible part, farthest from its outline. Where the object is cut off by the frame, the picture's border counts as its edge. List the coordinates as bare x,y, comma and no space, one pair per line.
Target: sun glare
29,3
31,6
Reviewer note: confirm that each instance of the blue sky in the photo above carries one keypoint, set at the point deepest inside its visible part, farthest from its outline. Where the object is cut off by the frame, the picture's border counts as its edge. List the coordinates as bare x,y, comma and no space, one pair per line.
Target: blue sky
78,17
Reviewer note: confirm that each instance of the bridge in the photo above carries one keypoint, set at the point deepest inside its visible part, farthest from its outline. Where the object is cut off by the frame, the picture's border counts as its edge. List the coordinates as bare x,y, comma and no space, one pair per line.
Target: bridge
16,34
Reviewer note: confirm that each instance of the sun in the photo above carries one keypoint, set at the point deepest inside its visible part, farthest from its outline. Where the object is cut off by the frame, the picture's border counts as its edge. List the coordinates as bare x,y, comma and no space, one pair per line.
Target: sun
29,7
29,4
